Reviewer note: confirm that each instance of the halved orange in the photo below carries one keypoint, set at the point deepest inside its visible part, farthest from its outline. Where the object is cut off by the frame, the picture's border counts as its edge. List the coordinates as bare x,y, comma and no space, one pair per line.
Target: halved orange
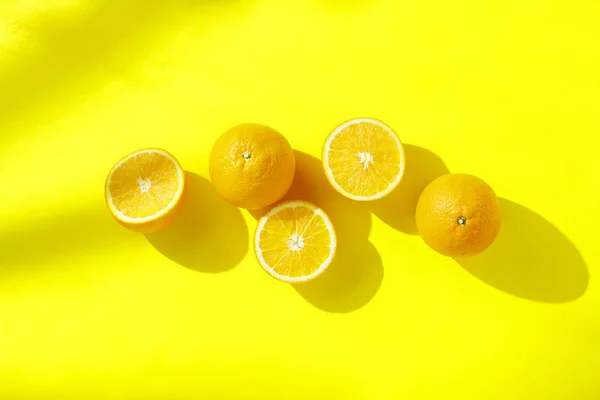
363,159
144,189
295,241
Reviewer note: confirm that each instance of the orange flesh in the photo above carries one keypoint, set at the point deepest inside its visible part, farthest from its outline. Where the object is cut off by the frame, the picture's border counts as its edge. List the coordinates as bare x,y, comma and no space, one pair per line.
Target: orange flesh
295,242
144,185
364,159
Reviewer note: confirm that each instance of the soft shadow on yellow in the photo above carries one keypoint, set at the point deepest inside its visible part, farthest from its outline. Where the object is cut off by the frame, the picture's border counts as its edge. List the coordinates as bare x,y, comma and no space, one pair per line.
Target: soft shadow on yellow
356,274
209,234
66,56
531,259
398,208
37,244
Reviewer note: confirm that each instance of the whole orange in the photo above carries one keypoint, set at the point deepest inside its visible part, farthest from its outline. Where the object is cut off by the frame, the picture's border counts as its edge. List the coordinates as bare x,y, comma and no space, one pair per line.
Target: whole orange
252,166
458,215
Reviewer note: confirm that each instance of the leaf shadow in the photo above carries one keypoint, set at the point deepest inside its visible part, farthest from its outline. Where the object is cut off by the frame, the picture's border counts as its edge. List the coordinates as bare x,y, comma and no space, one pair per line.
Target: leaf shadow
398,208
60,240
208,235
531,259
67,56
356,273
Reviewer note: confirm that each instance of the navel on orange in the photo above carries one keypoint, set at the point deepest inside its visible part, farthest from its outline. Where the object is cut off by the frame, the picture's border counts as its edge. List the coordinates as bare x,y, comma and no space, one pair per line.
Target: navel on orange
363,159
458,215
295,241
252,166
144,189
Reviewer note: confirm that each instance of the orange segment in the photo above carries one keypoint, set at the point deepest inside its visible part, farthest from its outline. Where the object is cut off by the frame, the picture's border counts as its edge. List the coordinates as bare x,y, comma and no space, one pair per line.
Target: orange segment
295,241
363,159
143,190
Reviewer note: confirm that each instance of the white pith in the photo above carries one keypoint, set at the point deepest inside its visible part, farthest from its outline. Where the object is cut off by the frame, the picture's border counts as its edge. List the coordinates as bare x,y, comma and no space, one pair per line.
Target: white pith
296,242
144,184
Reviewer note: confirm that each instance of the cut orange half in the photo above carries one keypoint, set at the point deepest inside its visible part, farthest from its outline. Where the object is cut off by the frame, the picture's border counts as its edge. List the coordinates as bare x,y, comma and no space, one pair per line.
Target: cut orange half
144,189
363,159
295,241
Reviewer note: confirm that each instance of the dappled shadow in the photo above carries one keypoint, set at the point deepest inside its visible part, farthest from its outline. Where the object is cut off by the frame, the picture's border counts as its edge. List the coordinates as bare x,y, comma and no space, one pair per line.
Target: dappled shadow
69,55
208,235
531,259
61,240
356,273
398,208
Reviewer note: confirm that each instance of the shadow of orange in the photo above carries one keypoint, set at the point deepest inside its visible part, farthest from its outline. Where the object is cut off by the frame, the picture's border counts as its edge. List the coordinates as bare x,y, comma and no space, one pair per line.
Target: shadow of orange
208,235
356,273
398,208
531,259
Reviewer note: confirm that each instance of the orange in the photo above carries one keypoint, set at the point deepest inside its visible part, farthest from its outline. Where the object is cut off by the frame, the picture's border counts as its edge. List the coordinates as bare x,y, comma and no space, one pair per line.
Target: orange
144,189
252,166
363,159
295,241
458,215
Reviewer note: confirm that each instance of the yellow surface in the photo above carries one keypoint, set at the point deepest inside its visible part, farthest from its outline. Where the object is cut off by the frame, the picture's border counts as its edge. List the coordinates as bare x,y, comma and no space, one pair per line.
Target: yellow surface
506,90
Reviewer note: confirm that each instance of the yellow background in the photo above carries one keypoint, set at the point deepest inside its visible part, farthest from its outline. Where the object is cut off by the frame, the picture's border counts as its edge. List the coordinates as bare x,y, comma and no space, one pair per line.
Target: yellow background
506,90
